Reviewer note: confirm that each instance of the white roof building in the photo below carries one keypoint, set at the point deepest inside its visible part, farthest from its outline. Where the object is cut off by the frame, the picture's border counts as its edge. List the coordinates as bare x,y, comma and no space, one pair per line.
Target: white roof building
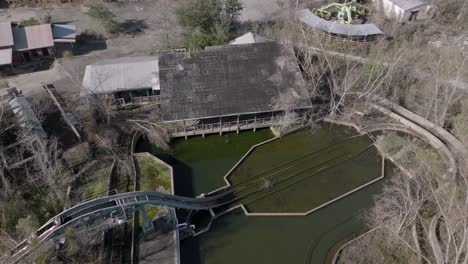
123,74
405,10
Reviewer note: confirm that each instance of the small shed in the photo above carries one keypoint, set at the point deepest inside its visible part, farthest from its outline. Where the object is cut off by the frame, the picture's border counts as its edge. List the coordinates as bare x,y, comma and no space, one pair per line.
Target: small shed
405,10
33,42
33,37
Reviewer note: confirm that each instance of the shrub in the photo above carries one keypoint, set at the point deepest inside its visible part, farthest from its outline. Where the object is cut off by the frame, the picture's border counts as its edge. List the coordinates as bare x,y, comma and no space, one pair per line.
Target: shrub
47,19
105,16
30,22
208,22
89,35
68,54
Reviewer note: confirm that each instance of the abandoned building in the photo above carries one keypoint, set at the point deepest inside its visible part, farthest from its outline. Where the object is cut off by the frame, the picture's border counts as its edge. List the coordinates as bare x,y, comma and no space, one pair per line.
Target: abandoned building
33,43
248,84
22,45
352,32
404,10
127,82
230,88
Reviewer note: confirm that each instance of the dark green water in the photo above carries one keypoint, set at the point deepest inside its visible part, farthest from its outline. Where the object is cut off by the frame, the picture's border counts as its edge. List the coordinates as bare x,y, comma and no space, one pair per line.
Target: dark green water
199,167
304,170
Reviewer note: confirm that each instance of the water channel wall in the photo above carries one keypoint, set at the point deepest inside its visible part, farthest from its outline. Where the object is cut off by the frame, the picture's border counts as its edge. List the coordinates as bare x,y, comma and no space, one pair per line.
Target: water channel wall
448,145
247,213
134,252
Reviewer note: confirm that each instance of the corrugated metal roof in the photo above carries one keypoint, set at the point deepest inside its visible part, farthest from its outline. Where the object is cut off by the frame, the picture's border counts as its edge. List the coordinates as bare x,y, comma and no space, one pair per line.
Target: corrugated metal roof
348,30
123,74
6,56
249,38
6,35
408,4
64,33
230,80
26,117
33,37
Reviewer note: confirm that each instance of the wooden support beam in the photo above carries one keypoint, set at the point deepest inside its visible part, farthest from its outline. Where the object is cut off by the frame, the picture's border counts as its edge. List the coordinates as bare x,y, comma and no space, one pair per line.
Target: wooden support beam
220,126
255,123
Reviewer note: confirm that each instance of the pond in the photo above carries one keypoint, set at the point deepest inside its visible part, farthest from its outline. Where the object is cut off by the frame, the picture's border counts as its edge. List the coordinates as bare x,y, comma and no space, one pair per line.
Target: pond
200,165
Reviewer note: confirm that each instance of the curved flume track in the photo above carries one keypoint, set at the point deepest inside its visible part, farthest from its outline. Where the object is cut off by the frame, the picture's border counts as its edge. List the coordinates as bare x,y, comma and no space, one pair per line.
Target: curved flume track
103,209
101,214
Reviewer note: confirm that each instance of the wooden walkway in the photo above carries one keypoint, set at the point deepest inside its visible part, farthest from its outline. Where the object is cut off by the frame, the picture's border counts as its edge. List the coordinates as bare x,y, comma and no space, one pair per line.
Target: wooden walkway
232,126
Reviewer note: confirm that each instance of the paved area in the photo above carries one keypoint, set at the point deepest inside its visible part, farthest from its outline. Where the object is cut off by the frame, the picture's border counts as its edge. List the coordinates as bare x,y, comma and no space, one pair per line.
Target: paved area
160,247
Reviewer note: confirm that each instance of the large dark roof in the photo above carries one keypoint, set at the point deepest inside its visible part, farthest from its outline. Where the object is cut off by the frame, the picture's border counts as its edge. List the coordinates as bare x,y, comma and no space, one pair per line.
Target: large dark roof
230,80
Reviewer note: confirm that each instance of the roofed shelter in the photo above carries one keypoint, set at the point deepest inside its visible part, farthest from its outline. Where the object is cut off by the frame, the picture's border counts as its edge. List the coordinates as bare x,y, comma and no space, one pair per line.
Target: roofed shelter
126,79
231,83
33,42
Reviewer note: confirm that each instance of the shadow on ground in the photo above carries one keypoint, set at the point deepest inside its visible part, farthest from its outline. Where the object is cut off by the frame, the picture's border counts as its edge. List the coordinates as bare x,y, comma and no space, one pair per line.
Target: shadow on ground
133,26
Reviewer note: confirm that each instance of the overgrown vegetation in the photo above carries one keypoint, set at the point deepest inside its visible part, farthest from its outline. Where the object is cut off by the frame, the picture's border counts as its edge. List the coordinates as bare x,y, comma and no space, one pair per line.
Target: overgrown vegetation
208,22
30,22
153,177
101,13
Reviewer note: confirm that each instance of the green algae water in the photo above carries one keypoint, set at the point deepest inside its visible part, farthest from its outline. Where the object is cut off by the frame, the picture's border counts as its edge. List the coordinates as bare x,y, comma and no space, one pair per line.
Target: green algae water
199,167
304,170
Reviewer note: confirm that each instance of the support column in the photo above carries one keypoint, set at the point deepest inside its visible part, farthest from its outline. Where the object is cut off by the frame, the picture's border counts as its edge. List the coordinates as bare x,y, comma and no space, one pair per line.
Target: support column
238,128
147,223
212,212
220,126
255,122
185,131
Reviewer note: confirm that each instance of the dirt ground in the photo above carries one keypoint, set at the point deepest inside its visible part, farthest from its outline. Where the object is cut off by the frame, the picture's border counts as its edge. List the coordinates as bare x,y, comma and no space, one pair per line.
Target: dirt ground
149,25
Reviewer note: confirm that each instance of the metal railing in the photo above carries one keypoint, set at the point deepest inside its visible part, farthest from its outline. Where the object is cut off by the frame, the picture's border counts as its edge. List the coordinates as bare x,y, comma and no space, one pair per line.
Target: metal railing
231,126
138,101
